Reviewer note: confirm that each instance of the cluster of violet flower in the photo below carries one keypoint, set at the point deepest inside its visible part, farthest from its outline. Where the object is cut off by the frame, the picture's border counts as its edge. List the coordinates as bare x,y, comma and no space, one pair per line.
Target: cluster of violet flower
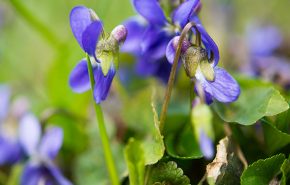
21,141
153,43
153,39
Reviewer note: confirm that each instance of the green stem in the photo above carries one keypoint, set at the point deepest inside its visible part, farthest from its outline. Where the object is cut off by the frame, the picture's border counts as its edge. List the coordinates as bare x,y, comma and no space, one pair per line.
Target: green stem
36,23
172,75
103,132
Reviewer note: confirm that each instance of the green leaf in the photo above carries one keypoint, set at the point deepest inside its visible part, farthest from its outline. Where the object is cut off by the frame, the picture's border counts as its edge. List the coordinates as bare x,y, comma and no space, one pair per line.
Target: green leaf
145,124
153,145
282,121
274,138
134,156
285,168
263,171
182,144
257,100
167,173
226,168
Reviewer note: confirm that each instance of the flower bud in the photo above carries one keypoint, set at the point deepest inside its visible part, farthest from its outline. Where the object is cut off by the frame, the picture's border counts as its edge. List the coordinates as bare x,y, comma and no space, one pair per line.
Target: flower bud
185,44
193,57
119,33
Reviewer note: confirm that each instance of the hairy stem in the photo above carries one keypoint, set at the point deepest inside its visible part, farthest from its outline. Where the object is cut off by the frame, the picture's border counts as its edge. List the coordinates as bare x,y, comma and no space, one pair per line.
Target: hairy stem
103,133
172,75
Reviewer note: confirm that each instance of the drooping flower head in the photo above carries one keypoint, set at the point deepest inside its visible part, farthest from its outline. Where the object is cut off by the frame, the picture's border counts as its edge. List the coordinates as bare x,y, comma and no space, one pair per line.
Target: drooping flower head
102,49
148,39
41,152
200,62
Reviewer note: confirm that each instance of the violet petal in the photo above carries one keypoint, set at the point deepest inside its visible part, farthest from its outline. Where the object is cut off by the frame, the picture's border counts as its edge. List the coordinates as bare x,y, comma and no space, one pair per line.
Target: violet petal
4,101
79,79
135,29
224,88
151,11
29,133
90,37
32,175
206,145
102,83
51,142
183,13
57,175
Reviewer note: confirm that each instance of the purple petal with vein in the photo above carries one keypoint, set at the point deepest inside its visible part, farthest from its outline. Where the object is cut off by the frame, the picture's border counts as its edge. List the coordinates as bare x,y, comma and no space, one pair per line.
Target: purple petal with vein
224,88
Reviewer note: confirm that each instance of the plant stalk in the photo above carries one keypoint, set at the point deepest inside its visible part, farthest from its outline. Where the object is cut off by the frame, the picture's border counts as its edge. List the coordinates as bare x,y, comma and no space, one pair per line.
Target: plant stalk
172,75
111,167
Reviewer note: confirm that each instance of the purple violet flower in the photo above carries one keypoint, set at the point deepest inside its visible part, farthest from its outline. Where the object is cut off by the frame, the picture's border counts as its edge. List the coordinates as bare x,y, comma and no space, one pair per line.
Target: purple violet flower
148,42
263,60
9,144
102,49
216,83
41,152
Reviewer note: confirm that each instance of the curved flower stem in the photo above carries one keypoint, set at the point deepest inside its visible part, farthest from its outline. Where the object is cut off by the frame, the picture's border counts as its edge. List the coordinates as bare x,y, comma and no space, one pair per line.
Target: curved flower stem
172,75
103,132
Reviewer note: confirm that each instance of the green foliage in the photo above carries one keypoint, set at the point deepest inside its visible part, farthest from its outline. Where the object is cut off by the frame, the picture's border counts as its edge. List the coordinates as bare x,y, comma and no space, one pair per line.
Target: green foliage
167,173
152,140
263,171
256,101
182,144
134,156
282,121
93,158
274,138
285,168
153,145
15,175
